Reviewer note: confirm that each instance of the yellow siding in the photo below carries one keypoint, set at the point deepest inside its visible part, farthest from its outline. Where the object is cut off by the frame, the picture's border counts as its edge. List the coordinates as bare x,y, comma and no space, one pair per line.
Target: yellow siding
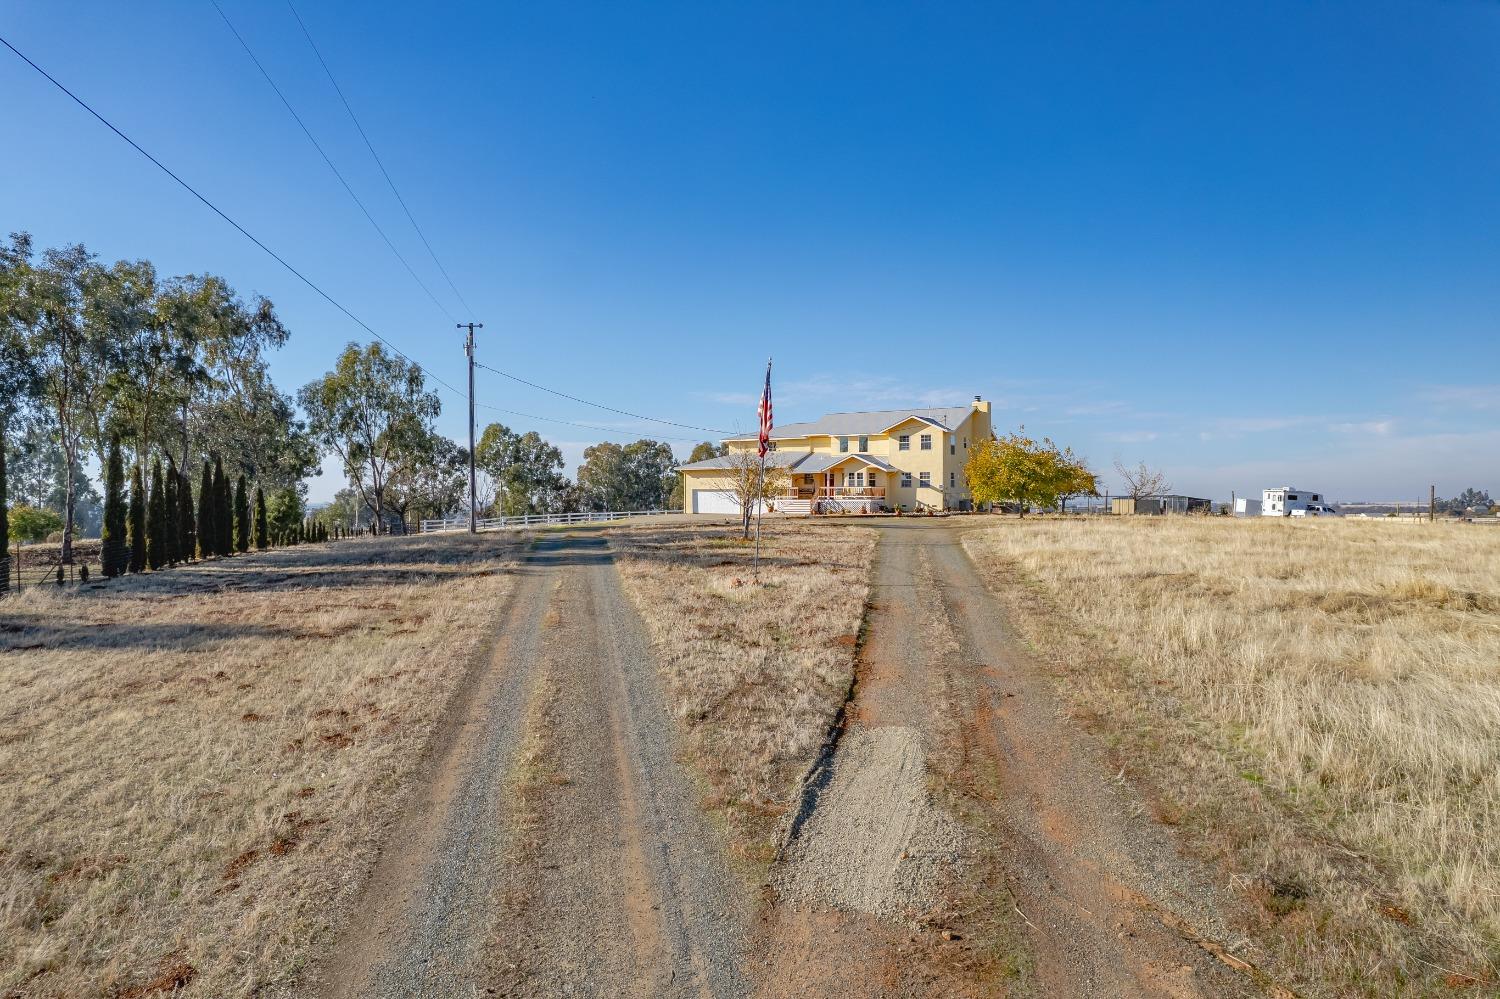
944,462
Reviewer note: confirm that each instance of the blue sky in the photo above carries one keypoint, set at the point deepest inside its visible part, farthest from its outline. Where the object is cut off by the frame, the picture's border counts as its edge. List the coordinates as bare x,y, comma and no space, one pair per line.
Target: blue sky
1250,245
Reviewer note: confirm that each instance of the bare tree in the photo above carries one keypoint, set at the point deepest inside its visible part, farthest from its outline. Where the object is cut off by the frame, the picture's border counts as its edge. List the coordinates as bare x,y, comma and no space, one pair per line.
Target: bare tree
1143,481
743,484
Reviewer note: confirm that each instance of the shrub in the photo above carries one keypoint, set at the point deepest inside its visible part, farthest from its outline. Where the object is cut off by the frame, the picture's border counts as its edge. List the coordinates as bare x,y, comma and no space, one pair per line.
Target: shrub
29,523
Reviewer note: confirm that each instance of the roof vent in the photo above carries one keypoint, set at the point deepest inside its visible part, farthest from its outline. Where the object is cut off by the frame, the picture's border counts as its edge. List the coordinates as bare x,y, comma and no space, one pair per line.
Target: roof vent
976,398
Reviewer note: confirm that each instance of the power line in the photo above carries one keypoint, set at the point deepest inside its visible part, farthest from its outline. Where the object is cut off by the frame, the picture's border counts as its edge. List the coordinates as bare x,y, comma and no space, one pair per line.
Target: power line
583,426
220,212
599,405
335,302
328,160
376,156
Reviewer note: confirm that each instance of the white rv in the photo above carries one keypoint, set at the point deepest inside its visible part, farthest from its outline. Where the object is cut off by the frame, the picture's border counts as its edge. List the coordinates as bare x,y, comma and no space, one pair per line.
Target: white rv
1288,501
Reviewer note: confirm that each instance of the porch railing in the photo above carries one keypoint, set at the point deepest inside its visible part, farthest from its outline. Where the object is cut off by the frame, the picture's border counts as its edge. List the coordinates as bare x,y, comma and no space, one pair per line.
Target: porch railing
834,492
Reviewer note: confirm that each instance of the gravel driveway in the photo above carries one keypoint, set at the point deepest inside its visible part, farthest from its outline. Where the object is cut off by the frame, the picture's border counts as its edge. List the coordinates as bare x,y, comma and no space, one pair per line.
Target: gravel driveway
622,890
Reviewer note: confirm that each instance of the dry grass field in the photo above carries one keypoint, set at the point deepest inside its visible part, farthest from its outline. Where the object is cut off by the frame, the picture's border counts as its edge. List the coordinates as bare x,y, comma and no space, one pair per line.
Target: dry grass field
755,672
1319,706
195,765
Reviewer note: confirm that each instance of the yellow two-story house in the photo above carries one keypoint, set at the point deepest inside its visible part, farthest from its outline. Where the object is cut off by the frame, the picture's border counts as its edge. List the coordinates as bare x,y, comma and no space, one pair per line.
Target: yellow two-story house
908,459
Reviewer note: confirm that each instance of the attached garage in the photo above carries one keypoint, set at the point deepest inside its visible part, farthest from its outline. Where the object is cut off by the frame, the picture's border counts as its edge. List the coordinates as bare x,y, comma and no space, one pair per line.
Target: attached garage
713,501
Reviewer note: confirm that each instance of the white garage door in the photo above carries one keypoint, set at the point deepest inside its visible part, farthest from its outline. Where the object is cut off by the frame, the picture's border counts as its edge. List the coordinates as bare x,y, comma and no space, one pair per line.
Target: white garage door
713,501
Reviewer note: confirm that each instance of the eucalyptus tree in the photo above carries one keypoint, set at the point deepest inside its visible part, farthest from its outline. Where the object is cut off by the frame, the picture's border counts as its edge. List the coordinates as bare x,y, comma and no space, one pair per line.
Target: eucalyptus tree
117,310
525,470
636,476
234,408
70,358
372,410
430,479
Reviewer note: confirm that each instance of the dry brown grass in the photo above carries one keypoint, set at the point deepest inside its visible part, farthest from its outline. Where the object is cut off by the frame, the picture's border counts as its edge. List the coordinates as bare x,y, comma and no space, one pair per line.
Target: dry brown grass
195,765
1319,703
755,672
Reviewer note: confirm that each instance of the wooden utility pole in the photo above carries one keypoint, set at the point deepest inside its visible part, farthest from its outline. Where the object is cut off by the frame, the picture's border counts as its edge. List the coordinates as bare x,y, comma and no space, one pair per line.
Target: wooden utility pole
1431,504
473,490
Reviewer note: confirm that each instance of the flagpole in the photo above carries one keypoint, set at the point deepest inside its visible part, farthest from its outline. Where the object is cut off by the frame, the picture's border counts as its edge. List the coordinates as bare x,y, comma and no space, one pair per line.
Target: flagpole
760,486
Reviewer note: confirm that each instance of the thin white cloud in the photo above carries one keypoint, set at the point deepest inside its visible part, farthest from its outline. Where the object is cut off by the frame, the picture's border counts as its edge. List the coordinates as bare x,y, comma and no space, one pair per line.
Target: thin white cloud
1474,397
1259,424
1131,436
1380,428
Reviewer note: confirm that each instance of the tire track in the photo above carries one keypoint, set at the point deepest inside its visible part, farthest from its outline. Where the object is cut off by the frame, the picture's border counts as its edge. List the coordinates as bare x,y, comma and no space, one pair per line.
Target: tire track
418,925
625,890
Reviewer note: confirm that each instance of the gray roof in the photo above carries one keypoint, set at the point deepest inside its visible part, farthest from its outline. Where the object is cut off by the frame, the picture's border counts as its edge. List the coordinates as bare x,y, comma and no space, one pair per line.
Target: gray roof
776,459
798,461
854,424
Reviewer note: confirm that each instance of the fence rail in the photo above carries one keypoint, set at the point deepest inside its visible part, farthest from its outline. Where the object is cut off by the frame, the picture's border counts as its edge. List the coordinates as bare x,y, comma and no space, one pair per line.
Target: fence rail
535,519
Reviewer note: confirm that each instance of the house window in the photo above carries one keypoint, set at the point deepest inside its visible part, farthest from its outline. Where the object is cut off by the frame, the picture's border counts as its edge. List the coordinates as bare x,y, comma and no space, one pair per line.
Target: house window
864,445
953,447
966,443
905,480
952,479
844,445
903,443
925,479
926,442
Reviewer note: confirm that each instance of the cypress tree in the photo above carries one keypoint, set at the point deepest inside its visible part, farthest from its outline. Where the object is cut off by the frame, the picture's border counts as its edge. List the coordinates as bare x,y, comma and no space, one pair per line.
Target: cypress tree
223,512
262,542
227,498
136,529
156,521
206,531
187,543
174,524
113,558
4,522
241,516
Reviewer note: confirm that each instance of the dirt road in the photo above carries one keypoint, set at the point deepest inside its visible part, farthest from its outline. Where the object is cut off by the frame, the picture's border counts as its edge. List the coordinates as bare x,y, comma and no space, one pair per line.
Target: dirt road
555,848
1103,903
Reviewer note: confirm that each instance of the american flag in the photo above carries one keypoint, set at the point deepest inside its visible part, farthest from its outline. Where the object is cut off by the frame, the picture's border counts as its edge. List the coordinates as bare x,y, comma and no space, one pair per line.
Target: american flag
765,414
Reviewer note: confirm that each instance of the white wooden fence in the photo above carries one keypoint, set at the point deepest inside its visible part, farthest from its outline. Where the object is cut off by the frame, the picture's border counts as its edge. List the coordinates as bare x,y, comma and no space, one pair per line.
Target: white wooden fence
535,519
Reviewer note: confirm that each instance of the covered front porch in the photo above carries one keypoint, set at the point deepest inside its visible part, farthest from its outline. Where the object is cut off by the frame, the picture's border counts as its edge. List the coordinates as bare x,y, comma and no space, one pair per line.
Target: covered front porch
853,483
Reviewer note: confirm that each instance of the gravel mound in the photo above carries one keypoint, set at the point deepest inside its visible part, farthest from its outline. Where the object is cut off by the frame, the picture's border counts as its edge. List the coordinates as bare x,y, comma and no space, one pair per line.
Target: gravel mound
876,843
